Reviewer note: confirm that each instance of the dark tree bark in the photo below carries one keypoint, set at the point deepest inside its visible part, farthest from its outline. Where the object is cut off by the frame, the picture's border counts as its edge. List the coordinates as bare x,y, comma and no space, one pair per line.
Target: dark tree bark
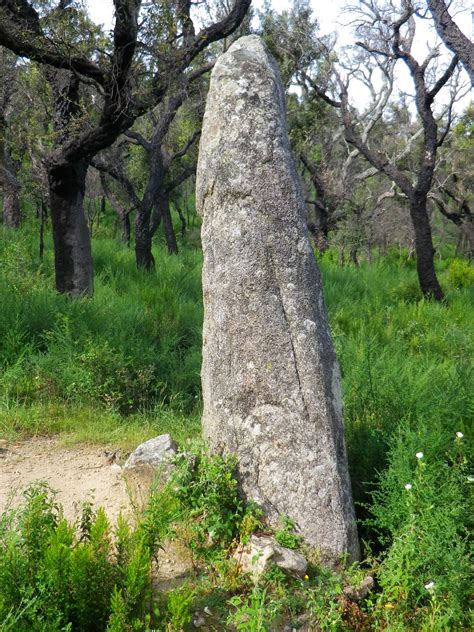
170,235
159,187
462,217
143,242
72,244
424,248
11,206
323,209
125,225
154,206
452,35
123,213
21,32
143,234
417,196
43,214
67,186
8,176
182,219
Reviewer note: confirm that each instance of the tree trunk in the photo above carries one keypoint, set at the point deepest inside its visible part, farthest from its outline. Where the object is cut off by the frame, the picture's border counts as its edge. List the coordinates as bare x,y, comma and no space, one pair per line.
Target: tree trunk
424,248
155,220
124,219
168,227
9,183
143,241
467,233
182,219
353,256
11,207
72,243
43,213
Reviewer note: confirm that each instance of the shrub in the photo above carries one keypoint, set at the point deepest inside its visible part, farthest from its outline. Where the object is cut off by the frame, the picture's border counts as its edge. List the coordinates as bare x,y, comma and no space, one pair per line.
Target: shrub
422,516
286,535
461,273
54,576
208,496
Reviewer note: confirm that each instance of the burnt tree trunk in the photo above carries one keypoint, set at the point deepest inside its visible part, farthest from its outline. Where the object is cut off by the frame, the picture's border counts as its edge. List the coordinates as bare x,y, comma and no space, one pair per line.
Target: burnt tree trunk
170,235
124,219
155,220
72,244
8,181
467,230
144,222
123,214
143,239
11,207
323,209
67,186
424,248
43,214
182,219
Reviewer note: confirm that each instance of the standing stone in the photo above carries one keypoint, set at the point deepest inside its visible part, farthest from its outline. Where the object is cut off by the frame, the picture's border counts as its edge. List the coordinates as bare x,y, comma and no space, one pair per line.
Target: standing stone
271,382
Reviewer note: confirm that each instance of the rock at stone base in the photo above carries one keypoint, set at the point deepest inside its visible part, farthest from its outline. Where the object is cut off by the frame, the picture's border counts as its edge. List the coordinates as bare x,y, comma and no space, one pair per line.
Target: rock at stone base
150,463
356,593
261,552
198,620
155,452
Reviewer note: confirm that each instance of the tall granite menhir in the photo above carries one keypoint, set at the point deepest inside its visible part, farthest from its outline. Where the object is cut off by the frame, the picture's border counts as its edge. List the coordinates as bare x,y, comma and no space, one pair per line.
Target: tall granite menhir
270,378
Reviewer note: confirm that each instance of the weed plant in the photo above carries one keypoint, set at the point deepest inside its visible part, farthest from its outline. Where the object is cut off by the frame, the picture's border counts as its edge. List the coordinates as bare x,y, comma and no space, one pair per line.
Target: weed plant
55,576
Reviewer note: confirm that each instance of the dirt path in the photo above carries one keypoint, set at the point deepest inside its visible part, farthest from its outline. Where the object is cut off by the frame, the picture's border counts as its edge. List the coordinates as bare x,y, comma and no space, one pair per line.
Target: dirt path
77,473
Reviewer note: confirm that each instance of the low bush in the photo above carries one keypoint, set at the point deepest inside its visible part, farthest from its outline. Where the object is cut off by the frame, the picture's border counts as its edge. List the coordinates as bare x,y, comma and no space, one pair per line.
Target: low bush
421,513
461,273
55,576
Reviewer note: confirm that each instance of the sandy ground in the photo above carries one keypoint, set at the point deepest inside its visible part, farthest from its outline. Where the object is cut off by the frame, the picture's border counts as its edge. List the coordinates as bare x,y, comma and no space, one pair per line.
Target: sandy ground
78,474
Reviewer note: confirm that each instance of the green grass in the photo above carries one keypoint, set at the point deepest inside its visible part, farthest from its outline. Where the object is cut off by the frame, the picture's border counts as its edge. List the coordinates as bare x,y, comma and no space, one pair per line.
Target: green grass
403,360
125,366
83,424
135,346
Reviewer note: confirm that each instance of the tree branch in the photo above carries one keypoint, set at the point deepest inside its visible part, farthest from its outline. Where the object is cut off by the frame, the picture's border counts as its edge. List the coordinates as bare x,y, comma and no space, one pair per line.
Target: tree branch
20,32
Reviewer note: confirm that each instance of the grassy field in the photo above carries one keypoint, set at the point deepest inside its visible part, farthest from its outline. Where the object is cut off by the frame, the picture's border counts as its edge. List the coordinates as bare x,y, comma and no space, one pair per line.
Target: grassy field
125,365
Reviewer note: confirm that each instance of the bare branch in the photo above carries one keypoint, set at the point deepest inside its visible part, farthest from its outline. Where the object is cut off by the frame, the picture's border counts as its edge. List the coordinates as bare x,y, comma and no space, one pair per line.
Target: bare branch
184,150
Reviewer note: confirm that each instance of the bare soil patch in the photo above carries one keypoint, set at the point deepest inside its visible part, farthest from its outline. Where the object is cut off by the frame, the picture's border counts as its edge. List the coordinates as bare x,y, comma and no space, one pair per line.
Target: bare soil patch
78,474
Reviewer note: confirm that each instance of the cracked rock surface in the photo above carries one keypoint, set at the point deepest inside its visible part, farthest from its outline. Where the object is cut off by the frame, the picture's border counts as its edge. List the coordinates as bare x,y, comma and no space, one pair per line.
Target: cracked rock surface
271,383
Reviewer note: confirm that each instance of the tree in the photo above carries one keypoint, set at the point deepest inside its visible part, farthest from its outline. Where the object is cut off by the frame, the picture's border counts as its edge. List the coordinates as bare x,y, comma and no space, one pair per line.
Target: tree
453,190
79,135
8,166
388,37
152,205
452,35
159,184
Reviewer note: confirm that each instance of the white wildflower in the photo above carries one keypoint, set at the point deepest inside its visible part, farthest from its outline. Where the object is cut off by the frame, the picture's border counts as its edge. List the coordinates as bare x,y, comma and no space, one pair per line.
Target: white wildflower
408,486
419,455
429,586
459,435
